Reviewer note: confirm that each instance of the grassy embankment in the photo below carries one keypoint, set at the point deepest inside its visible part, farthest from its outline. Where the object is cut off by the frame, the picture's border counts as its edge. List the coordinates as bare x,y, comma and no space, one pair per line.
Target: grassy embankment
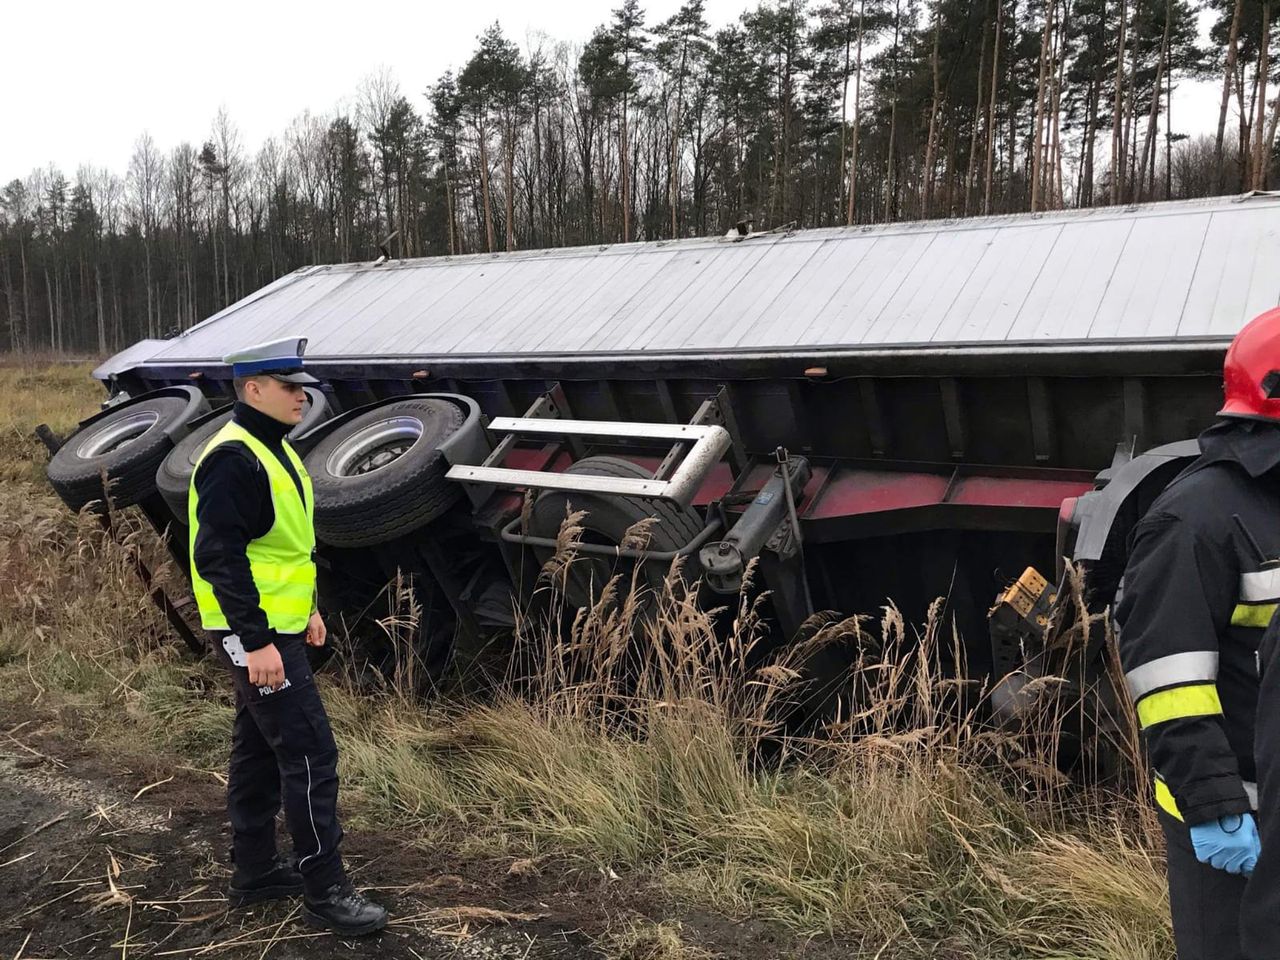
911,830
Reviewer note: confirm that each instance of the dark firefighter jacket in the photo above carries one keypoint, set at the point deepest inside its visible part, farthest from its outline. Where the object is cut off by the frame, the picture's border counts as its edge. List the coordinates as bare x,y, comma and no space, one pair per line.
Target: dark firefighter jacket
1196,596
234,507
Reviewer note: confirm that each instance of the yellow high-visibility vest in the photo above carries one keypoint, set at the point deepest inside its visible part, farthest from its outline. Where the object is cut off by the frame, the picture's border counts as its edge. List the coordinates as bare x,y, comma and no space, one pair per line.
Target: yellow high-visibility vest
281,560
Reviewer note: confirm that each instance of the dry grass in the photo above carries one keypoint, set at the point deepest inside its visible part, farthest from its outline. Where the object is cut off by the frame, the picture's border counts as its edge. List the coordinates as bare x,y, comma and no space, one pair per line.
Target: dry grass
39,391
633,742
643,940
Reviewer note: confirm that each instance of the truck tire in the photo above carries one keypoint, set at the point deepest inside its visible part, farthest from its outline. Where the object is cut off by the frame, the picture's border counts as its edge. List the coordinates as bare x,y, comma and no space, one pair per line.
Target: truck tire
173,479
381,475
129,444
607,521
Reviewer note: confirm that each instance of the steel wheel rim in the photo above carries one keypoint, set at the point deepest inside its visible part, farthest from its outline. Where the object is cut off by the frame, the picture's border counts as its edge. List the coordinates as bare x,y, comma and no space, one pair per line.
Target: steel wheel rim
374,447
118,435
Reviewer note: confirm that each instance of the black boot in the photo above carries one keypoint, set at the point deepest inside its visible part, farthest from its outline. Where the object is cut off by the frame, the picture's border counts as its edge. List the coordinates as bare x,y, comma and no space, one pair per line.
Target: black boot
276,882
344,911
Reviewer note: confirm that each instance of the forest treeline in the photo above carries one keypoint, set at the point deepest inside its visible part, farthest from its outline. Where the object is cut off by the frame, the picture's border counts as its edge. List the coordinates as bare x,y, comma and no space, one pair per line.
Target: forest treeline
805,112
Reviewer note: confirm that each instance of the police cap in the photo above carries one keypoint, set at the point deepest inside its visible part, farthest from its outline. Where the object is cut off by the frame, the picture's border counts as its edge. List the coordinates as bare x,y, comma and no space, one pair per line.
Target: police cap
279,359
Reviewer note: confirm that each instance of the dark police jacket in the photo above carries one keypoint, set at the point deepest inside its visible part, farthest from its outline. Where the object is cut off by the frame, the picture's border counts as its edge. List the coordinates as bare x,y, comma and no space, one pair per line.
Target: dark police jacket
1196,596
235,507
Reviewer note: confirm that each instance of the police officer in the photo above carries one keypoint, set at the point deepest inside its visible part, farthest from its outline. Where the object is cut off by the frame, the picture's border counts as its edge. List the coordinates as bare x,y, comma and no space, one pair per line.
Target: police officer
1201,584
254,578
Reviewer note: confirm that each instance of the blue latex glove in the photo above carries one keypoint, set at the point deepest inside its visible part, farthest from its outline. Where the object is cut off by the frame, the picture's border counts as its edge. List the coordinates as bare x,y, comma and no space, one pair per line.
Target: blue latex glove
1229,843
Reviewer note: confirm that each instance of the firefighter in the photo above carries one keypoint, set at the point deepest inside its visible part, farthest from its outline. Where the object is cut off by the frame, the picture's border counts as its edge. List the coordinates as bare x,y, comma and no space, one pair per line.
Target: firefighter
1260,912
254,578
1200,587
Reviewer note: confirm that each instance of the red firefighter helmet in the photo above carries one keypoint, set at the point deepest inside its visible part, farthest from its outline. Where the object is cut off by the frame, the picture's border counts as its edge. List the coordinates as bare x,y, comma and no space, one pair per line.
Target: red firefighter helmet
1251,372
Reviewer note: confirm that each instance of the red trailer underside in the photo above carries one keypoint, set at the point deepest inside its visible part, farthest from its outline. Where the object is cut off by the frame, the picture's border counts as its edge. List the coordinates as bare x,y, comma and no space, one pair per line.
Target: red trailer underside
848,501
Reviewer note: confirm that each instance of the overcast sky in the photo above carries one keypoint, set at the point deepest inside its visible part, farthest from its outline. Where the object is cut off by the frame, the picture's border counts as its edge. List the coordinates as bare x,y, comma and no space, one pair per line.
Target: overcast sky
84,79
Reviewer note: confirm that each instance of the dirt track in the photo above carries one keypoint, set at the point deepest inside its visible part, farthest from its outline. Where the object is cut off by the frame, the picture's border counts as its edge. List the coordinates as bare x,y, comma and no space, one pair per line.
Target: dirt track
87,867
124,856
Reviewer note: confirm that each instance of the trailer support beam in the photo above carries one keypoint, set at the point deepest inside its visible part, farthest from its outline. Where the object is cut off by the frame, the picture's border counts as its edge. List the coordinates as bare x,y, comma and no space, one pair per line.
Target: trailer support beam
1041,419
877,430
953,416
1135,410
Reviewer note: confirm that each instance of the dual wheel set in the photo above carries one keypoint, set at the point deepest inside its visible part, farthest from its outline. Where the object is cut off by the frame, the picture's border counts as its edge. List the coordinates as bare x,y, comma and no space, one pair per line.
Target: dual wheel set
378,474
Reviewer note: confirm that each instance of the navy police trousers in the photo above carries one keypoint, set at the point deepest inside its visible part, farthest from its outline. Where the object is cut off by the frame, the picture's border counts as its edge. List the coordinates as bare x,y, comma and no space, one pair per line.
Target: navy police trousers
282,747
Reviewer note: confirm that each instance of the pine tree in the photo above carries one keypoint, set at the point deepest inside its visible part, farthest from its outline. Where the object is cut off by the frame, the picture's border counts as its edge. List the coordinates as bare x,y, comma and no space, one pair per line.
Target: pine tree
681,52
445,130
631,47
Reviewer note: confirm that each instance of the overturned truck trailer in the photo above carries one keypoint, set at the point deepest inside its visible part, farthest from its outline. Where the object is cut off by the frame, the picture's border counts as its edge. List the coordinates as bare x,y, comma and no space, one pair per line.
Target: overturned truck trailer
904,411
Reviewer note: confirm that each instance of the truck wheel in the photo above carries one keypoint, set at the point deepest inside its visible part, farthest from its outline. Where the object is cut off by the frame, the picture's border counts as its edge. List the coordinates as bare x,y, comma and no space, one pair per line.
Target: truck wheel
606,523
129,445
381,475
173,479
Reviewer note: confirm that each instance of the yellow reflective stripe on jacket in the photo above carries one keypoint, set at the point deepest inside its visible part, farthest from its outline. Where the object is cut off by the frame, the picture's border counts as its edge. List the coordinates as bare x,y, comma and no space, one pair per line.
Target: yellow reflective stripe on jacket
1258,596
1198,700
1252,615
1165,801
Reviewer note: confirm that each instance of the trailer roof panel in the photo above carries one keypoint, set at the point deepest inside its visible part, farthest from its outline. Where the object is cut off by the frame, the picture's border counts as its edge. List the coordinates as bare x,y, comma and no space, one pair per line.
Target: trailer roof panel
552,327
749,296
1190,269
930,287
720,272
988,306
791,313
1237,277
848,316
635,314
343,324
1087,256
